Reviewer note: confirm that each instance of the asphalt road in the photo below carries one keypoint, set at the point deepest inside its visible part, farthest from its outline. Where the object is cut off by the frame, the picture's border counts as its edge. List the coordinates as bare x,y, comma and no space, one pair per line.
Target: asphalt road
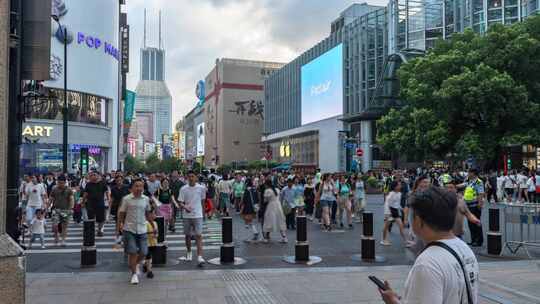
335,248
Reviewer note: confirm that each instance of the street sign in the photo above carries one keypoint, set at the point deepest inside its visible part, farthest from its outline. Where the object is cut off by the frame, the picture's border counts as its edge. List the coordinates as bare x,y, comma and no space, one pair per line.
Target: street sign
349,145
359,152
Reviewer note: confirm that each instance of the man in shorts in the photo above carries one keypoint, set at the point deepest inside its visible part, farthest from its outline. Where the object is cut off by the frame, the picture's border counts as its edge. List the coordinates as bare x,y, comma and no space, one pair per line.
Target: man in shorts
94,199
191,200
133,214
62,202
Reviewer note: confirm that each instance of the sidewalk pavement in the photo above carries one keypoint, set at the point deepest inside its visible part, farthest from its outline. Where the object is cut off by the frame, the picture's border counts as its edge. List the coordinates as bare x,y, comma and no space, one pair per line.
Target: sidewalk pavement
501,282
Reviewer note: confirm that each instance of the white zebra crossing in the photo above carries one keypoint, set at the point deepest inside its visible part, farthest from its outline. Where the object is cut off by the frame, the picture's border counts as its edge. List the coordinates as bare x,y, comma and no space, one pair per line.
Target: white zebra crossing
106,244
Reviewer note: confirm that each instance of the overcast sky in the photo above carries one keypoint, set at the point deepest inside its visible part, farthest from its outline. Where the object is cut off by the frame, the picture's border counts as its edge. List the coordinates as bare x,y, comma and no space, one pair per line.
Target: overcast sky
196,32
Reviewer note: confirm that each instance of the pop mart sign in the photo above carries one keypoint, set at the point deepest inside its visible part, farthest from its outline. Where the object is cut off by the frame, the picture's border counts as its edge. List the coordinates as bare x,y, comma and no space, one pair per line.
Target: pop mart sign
37,131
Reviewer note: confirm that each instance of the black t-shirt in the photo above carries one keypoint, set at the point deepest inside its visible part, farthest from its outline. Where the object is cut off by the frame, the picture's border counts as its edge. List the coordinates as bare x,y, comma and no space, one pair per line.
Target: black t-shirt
96,193
175,186
118,193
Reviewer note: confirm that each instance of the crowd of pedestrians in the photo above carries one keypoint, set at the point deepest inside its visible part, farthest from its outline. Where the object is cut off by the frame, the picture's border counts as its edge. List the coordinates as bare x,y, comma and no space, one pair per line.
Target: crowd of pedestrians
267,203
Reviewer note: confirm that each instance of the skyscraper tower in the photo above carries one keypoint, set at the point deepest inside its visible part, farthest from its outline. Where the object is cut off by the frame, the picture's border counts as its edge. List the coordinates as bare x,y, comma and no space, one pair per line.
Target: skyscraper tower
153,106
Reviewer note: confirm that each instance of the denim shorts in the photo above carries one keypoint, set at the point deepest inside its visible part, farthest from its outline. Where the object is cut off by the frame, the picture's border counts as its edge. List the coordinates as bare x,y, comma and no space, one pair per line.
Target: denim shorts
193,226
325,203
136,243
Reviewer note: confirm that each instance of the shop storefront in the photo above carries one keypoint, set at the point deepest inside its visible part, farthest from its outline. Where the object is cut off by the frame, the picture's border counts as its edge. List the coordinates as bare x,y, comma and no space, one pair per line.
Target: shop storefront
41,149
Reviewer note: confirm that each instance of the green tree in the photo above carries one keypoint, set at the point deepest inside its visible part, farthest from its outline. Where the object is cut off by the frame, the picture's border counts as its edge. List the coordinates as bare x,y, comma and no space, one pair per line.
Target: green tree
470,95
153,164
132,164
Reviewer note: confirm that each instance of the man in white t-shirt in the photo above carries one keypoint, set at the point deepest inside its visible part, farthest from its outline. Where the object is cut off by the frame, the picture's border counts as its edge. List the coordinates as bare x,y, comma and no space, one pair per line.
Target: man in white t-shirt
36,196
191,199
437,276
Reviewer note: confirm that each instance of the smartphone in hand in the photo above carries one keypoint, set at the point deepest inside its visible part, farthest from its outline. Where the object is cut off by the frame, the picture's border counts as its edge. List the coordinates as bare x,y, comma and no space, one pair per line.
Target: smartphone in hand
377,282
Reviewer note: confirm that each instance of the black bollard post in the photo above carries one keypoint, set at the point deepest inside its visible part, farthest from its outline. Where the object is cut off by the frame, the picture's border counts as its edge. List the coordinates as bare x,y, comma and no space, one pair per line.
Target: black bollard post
368,242
301,248
159,256
226,253
494,236
88,249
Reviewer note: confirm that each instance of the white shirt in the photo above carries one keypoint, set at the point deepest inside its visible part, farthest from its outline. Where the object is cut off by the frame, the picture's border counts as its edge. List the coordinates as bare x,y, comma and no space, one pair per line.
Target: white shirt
508,182
531,185
393,200
34,193
37,226
193,197
522,181
500,182
436,276
225,186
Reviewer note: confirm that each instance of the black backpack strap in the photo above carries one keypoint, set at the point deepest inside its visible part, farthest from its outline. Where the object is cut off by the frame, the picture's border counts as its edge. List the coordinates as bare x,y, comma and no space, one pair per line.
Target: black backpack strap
454,253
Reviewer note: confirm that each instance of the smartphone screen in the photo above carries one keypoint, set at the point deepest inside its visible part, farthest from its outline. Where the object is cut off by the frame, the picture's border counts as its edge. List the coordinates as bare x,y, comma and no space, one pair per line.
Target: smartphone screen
377,282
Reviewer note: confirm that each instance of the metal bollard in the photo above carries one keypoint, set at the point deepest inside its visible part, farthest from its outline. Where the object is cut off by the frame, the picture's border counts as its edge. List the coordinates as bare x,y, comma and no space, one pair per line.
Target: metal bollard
159,256
88,249
367,226
89,233
301,248
368,242
494,236
160,221
226,252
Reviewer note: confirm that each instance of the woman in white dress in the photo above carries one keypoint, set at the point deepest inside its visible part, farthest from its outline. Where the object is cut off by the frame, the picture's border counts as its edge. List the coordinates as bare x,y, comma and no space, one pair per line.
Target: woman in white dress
274,219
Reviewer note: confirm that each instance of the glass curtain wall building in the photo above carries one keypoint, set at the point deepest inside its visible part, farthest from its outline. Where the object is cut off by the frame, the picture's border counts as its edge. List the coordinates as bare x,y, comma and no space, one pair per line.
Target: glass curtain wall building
417,24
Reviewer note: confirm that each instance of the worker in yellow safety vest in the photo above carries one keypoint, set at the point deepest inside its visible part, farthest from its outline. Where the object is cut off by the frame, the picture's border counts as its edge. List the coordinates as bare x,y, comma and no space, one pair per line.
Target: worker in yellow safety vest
474,198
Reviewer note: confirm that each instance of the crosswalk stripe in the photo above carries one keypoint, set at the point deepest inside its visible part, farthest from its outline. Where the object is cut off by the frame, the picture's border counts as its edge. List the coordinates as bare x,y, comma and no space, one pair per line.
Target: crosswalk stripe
112,237
176,241
109,250
182,242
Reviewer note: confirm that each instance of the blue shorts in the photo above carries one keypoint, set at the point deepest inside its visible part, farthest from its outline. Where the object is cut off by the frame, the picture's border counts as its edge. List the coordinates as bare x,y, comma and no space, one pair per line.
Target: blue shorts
325,203
136,243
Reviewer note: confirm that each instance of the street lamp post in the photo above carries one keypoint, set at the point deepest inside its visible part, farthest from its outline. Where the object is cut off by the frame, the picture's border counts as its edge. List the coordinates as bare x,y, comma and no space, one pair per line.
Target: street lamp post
65,109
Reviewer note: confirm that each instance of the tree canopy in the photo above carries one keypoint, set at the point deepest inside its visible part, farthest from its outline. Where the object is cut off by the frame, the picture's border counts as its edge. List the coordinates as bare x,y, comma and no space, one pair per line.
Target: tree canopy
470,95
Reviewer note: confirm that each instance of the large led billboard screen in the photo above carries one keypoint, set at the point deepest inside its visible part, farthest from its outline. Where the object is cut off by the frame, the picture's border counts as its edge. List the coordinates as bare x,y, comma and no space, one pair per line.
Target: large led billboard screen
322,86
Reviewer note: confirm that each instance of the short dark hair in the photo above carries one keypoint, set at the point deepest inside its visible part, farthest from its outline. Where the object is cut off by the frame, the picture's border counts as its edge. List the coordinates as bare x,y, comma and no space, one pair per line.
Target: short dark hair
190,172
436,207
133,182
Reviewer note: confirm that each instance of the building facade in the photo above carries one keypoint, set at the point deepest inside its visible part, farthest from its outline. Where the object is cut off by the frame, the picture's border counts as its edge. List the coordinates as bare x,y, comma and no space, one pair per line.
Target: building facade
153,105
375,41
93,91
359,35
234,111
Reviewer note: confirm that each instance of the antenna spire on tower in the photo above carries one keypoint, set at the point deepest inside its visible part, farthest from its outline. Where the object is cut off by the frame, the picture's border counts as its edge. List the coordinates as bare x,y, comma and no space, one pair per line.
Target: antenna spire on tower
144,39
160,29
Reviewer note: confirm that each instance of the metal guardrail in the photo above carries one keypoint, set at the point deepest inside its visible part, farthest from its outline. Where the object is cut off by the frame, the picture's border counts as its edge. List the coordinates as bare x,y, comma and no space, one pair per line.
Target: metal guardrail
521,226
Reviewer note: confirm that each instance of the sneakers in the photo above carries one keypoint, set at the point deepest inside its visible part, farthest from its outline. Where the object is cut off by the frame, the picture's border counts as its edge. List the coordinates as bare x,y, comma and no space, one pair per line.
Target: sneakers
266,241
284,240
42,246
134,279
386,243
187,258
200,261
150,275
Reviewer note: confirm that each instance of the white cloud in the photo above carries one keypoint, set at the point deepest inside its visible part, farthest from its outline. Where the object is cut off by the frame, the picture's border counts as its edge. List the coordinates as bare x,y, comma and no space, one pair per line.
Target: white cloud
196,32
